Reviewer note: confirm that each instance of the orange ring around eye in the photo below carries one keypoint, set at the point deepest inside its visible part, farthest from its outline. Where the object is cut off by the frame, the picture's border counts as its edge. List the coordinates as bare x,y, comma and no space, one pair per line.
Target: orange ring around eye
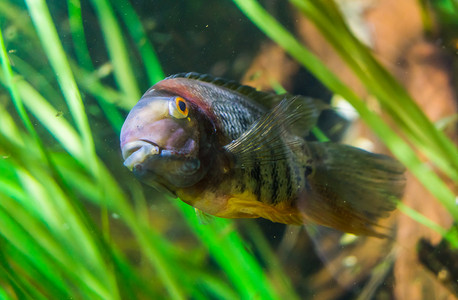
181,106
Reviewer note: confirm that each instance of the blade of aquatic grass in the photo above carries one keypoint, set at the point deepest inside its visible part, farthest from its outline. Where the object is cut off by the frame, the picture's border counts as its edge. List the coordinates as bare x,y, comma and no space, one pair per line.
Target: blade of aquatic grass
8,76
85,74
56,55
36,79
90,82
108,99
30,275
279,279
85,184
415,215
20,108
67,230
57,126
389,92
117,51
129,275
67,137
229,252
22,242
4,295
42,265
426,16
319,134
159,259
447,7
112,114
397,146
19,285
153,246
49,117
29,182
20,29
132,279
78,37
88,79
64,228
63,221
27,246
143,218
53,248
137,32
85,63
10,129
11,11
150,242
214,286
11,85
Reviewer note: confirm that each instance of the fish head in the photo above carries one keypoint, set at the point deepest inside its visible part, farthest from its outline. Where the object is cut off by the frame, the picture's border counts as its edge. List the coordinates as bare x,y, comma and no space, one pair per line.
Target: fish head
164,139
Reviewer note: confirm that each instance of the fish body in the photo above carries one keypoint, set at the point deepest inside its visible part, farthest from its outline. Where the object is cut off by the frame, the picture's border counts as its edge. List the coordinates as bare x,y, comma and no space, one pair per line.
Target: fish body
214,145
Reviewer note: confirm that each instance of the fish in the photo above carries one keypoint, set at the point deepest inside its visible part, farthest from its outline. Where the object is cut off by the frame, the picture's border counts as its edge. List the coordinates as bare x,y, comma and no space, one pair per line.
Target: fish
232,151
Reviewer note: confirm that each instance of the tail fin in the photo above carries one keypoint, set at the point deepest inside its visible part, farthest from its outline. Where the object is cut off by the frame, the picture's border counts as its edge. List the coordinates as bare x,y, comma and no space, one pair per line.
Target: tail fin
350,189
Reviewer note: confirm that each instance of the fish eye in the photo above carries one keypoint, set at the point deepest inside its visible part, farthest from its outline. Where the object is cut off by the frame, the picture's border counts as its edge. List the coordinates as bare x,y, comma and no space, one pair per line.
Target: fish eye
178,108
181,105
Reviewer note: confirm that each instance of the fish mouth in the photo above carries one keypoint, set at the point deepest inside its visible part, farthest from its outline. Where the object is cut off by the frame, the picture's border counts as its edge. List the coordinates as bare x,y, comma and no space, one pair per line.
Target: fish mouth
137,152
155,165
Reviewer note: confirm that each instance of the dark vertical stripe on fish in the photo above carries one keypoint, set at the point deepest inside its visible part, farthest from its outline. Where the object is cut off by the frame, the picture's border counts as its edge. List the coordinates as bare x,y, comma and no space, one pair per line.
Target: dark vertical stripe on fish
289,184
274,180
241,180
256,176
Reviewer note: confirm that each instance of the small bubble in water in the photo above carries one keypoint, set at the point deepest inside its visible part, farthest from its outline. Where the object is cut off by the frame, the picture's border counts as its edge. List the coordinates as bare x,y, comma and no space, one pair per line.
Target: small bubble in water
350,261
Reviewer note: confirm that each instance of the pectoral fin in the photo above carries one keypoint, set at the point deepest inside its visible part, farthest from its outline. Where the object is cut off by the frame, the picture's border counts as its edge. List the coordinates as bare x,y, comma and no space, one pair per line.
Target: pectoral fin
204,218
271,137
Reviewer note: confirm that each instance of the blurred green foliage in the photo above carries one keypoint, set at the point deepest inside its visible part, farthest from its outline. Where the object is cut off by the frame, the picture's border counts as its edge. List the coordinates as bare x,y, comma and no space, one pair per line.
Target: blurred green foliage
63,210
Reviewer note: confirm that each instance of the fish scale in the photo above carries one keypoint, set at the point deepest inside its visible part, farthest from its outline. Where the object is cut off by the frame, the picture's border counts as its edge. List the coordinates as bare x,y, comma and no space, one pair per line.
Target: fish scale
235,119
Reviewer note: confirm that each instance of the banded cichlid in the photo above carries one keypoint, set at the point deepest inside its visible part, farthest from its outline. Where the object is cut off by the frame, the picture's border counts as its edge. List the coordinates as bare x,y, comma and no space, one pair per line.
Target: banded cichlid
212,143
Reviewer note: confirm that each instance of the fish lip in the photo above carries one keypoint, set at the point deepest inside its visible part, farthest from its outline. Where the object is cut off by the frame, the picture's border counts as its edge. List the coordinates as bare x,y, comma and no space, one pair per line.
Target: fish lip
136,152
134,146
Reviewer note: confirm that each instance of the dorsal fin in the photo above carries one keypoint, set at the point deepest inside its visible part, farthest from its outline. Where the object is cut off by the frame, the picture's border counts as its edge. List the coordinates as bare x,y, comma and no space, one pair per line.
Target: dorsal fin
267,99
